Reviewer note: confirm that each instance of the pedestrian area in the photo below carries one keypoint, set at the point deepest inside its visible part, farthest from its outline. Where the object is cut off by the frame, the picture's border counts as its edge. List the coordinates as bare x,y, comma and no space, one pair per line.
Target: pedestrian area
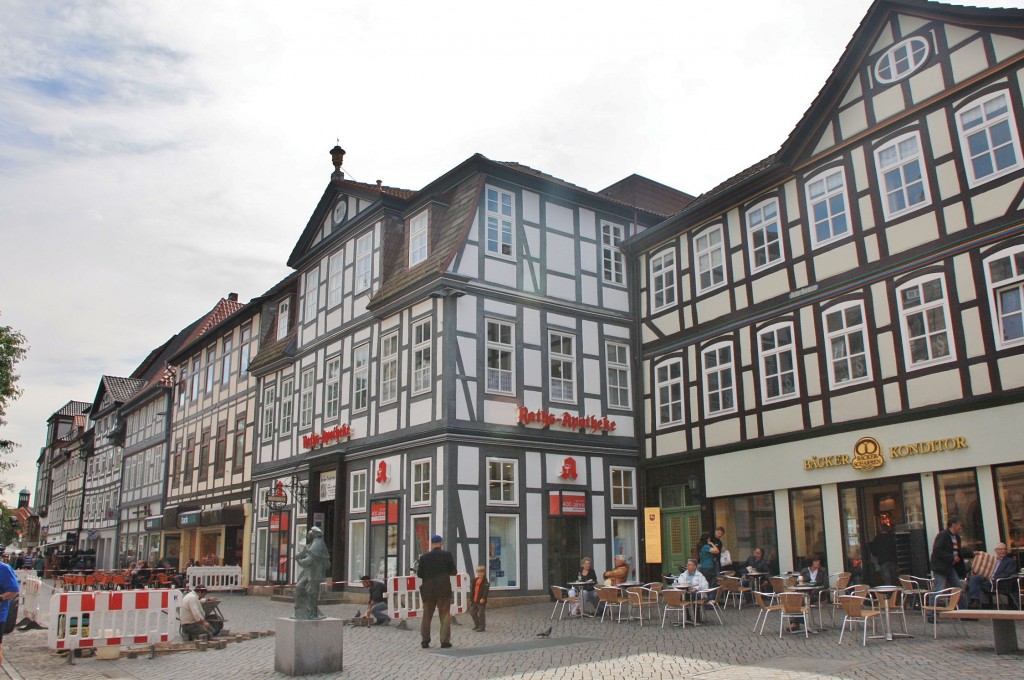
576,649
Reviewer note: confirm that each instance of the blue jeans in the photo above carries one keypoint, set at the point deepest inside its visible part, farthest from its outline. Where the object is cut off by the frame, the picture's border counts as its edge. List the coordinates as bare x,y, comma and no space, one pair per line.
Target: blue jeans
943,581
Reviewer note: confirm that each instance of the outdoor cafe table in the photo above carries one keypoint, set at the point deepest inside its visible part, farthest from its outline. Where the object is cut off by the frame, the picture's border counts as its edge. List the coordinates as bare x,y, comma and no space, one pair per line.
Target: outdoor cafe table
882,595
579,585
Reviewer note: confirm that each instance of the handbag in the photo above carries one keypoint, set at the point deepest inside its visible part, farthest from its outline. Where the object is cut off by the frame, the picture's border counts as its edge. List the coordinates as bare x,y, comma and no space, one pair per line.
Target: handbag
726,558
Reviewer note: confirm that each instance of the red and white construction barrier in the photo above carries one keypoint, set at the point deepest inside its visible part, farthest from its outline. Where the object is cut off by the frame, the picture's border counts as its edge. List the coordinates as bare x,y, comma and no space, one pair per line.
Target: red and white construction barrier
117,617
215,578
405,601
29,597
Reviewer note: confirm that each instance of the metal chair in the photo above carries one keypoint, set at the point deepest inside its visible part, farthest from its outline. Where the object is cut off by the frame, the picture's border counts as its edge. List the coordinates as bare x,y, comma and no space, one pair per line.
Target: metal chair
767,604
610,597
708,598
733,588
857,613
562,600
642,599
793,606
951,598
673,602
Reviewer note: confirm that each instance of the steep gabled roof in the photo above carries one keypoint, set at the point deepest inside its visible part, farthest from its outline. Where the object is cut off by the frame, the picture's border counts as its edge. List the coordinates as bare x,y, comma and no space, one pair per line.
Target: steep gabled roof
72,408
222,311
119,389
645,193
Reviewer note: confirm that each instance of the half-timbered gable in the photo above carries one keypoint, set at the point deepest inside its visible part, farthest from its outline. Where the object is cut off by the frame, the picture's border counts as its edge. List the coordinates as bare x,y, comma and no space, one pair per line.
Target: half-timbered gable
865,273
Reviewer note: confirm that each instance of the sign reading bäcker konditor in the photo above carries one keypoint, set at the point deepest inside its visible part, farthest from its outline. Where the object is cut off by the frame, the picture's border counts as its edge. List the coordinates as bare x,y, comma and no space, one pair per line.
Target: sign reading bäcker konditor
868,454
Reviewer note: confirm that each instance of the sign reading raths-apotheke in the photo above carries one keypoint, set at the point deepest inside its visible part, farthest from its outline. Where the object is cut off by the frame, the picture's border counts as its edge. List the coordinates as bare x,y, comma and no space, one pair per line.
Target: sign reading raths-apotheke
312,441
525,416
868,453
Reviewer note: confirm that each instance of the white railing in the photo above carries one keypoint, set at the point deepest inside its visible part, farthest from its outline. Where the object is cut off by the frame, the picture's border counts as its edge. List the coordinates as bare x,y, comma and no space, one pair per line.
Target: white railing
215,578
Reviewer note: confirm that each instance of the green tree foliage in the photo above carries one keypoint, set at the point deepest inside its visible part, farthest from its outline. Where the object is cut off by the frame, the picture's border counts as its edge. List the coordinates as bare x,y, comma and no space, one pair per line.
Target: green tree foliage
12,350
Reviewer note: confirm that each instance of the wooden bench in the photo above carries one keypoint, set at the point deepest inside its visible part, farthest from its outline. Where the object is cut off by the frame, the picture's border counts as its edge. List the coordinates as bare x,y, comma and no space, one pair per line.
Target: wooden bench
1004,625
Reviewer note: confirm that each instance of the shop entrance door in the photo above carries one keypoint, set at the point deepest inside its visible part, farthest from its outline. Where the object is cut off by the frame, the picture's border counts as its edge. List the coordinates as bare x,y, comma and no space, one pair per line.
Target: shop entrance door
565,549
883,530
680,531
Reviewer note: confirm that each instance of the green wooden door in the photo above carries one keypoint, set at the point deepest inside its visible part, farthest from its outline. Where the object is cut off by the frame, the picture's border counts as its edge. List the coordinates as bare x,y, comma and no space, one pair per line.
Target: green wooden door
680,532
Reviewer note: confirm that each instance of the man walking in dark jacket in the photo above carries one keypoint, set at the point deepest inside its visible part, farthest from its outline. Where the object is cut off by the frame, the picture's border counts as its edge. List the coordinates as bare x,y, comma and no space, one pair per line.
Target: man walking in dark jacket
948,555
436,569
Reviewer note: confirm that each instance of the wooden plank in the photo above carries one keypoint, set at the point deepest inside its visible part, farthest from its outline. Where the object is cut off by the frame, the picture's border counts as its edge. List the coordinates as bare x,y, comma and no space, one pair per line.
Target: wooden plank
977,614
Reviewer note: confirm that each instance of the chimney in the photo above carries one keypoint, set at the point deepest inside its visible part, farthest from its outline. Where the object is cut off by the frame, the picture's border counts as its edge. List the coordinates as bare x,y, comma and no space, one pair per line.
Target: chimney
337,158
233,297
379,187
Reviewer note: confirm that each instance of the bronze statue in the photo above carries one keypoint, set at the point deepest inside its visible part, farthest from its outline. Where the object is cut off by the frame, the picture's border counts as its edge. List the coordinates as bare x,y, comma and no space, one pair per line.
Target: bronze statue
315,561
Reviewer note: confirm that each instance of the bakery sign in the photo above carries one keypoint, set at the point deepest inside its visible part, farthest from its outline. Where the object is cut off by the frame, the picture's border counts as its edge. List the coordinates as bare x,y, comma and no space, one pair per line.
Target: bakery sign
337,433
868,454
546,419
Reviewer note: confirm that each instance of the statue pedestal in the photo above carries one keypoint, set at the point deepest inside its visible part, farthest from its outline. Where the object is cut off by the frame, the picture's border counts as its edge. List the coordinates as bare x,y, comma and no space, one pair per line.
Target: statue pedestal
308,647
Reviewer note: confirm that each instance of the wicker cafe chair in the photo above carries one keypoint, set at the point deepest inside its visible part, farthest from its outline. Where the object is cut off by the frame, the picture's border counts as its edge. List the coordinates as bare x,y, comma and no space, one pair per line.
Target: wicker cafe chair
780,584
733,588
562,600
944,601
856,613
610,597
674,602
793,606
767,604
913,592
709,599
642,599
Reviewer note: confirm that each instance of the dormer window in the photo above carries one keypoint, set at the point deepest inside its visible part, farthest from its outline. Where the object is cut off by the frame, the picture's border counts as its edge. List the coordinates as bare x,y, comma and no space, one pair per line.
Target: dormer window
283,308
418,239
900,60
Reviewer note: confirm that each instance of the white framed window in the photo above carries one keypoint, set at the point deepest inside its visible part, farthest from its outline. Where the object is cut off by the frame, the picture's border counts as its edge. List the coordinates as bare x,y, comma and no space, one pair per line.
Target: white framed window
900,60
261,551
499,357
307,380
246,350
624,541
502,481
357,496
364,262
617,374
196,376
361,377
623,487
332,388
420,542
1004,272
663,280
719,379
421,357
287,397
499,216
901,178
778,362
846,340
764,235
562,366
335,282
418,238
283,308
503,551
988,138
613,263
389,368
268,413
226,349
211,369
421,482
827,207
925,315
709,254
357,547
668,380
312,295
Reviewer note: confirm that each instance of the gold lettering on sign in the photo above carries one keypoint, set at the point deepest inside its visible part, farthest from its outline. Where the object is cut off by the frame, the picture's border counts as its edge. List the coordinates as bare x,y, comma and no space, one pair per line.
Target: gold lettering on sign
933,446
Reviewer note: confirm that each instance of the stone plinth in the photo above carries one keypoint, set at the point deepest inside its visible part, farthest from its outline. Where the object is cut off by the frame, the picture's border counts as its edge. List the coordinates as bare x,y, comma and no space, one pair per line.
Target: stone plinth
308,647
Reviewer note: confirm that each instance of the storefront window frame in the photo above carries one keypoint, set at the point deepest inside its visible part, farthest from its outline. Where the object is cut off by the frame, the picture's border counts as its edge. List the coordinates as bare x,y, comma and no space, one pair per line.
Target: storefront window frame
516,583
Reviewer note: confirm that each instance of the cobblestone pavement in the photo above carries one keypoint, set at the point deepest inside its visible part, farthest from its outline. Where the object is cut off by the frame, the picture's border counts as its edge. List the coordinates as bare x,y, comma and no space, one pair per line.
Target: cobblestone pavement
577,650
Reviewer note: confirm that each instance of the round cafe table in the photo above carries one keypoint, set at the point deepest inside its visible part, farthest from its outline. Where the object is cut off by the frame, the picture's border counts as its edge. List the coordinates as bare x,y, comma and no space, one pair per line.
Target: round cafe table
882,595
579,586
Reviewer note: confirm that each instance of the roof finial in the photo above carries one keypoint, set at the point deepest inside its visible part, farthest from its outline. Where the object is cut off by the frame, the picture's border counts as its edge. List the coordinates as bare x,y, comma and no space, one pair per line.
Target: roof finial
337,158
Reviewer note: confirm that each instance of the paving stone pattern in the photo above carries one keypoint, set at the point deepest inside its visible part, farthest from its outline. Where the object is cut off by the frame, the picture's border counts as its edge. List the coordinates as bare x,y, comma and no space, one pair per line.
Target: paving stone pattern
510,649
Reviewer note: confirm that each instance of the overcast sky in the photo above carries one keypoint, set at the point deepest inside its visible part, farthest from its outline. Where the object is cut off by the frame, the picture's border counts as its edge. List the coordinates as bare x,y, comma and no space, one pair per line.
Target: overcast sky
155,156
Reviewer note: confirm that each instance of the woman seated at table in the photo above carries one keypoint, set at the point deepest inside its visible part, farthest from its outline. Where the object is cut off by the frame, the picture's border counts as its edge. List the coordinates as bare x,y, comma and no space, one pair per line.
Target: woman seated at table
589,576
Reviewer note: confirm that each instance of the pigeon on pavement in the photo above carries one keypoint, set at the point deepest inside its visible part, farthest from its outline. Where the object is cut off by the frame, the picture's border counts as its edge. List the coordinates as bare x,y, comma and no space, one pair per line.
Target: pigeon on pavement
546,633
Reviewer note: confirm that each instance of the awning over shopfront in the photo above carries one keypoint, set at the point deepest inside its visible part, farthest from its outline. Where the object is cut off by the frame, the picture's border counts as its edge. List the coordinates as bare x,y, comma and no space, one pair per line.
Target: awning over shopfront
231,515
154,523
187,520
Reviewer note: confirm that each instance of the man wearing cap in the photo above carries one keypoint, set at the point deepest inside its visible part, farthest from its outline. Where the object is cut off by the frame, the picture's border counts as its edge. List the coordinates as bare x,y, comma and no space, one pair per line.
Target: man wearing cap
193,618
436,568
378,607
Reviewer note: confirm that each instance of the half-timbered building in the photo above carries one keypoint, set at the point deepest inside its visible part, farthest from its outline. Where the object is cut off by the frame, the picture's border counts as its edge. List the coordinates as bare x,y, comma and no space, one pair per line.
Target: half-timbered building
455,360
62,428
832,340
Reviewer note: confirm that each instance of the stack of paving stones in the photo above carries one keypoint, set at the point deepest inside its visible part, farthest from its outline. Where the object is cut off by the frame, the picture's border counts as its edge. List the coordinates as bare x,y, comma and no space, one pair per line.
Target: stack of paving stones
578,649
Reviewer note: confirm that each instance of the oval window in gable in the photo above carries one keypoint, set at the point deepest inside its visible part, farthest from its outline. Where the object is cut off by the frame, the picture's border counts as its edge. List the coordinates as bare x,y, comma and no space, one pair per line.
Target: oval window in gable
900,60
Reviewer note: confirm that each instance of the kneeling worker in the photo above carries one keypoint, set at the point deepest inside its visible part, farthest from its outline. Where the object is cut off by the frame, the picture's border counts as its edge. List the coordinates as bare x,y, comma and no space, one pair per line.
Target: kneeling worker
378,607
193,617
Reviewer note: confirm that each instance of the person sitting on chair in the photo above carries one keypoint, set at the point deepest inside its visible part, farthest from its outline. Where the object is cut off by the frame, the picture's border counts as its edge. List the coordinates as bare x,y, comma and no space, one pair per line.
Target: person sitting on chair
978,584
618,574
692,582
193,616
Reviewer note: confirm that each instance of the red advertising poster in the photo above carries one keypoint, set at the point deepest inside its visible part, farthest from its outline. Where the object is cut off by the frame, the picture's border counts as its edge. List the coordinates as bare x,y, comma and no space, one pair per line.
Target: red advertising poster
379,513
574,503
554,504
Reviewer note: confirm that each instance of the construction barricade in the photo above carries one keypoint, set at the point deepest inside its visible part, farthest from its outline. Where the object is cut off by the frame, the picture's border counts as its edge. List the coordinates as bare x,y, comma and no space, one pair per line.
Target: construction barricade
117,617
215,578
405,601
28,599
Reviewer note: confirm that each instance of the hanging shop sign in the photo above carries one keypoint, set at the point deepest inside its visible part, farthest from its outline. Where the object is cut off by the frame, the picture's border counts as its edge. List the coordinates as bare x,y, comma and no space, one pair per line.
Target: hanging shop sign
568,421
652,534
337,433
328,485
868,454
568,468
